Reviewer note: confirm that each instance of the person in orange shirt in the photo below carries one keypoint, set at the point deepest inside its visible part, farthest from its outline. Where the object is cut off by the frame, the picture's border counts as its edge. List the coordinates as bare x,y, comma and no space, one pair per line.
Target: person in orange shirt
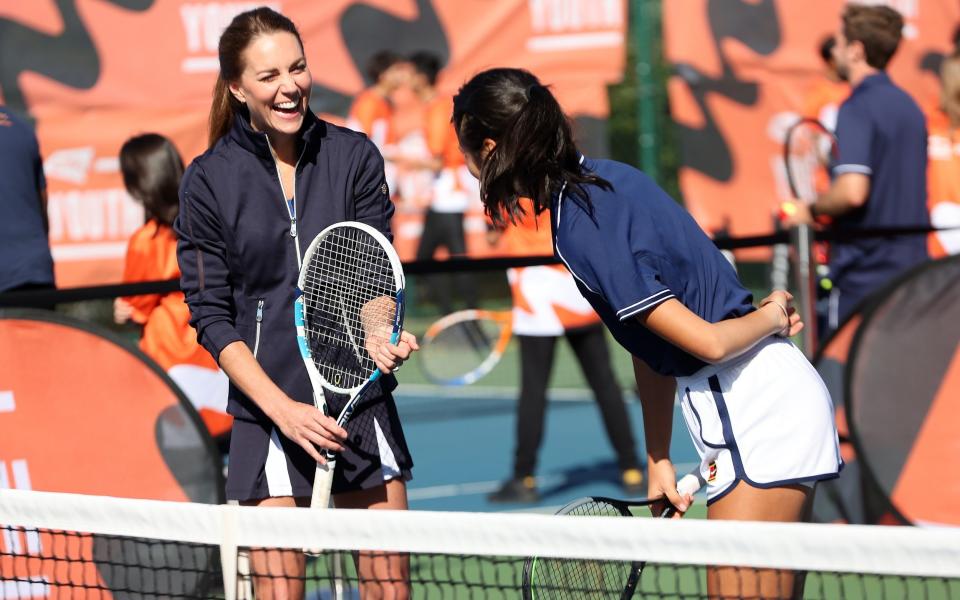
546,306
371,110
152,168
443,224
823,100
943,166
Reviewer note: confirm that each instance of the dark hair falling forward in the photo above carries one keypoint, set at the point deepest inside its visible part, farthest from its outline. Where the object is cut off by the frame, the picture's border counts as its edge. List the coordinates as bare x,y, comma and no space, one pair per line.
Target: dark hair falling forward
535,155
152,168
243,29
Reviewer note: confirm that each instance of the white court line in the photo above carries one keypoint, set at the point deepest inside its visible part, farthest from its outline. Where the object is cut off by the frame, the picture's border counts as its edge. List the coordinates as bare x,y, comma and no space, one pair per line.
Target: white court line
454,490
473,392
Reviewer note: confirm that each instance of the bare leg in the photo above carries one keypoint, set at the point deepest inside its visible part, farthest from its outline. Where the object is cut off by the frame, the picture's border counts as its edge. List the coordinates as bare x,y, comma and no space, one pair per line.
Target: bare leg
747,503
383,576
278,574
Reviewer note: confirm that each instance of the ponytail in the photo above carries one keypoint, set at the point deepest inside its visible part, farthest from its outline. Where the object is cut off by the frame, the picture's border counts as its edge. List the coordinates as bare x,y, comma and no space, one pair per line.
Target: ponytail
222,111
534,156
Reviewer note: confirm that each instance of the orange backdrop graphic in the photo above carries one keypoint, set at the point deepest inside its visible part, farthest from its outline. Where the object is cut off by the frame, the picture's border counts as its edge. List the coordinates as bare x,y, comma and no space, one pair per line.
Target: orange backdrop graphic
106,425
90,73
742,71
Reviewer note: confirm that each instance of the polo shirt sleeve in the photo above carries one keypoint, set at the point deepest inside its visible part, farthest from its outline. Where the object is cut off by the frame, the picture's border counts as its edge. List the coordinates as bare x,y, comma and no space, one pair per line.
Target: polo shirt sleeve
854,141
627,277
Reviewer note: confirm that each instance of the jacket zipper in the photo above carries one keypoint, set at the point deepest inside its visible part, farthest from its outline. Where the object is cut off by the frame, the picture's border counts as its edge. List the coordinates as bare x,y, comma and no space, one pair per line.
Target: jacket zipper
291,203
256,341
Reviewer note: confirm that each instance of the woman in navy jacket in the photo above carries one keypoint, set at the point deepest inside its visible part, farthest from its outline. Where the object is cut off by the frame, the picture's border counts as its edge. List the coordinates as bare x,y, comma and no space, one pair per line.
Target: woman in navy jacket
275,176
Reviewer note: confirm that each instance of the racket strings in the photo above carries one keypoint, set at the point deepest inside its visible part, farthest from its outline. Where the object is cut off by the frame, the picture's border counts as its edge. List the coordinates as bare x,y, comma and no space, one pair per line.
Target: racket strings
349,305
464,350
567,578
810,150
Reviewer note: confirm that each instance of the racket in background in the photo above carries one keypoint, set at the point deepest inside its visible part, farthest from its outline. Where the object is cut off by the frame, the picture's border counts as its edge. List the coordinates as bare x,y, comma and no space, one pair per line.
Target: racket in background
349,299
559,578
462,347
809,148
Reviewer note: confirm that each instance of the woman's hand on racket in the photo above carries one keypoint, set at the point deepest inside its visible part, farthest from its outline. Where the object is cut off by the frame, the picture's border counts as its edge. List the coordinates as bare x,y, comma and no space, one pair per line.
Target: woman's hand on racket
779,303
662,483
388,357
309,428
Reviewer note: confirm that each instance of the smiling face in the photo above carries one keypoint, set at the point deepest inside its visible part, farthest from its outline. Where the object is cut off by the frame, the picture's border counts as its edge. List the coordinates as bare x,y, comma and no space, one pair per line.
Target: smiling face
275,84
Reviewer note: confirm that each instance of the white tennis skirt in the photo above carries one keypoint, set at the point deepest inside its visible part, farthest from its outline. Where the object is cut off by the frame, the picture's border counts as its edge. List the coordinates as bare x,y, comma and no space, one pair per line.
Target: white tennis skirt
765,418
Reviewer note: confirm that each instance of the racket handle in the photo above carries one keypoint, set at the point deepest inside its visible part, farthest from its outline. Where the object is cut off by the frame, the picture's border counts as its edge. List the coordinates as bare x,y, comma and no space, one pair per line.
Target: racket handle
691,483
688,485
322,482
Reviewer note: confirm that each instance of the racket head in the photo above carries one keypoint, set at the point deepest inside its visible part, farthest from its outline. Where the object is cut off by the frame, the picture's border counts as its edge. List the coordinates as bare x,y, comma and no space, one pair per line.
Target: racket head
349,295
578,578
464,346
809,149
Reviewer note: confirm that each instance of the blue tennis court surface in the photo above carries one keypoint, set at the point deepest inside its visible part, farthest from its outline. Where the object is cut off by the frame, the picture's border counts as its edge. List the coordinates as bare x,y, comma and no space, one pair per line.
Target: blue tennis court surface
462,440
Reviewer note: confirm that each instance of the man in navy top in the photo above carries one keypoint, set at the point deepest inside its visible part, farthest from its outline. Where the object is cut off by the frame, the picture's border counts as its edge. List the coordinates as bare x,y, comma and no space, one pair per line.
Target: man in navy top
879,179
630,256
26,263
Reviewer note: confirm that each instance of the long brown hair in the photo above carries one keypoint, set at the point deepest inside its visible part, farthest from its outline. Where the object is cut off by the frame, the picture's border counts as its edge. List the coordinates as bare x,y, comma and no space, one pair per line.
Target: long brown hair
152,168
535,155
244,28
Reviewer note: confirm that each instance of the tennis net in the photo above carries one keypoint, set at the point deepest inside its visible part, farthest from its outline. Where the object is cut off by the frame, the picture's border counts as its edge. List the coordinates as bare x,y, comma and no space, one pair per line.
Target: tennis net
74,546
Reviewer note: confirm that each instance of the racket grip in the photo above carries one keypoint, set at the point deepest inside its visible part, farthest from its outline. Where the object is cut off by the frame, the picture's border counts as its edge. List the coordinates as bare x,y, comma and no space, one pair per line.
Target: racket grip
322,482
691,483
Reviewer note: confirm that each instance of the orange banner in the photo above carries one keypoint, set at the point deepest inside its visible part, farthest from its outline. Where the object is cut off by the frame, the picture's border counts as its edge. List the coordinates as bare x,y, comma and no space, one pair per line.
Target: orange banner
744,70
111,424
92,73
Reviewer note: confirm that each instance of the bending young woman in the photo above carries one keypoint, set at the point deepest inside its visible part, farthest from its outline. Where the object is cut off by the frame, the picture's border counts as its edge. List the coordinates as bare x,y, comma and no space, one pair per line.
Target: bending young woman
275,176
758,413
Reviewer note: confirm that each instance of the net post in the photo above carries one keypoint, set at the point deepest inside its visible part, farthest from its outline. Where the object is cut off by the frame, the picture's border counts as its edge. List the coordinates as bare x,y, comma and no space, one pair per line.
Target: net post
229,551
805,282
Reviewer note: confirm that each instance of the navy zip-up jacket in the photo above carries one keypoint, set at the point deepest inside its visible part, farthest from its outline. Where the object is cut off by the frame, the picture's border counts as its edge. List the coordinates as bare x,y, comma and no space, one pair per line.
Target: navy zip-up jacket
237,251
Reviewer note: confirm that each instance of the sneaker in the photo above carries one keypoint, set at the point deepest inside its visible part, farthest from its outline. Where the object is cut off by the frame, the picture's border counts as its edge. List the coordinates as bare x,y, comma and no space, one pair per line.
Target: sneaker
516,491
632,481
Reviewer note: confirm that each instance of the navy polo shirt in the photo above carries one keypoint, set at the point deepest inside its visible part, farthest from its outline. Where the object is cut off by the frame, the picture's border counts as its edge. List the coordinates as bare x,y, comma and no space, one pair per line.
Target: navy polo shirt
882,133
26,250
631,248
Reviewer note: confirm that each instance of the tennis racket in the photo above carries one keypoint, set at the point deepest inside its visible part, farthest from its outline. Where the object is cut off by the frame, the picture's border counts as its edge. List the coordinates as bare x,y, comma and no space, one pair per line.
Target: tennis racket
462,347
349,300
560,578
808,151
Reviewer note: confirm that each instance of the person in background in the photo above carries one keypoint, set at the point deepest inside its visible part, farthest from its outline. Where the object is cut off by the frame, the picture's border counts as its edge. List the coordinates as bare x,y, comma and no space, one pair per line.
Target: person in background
546,306
443,224
829,91
371,110
880,176
27,263
273,178
943,170
757,412
151,169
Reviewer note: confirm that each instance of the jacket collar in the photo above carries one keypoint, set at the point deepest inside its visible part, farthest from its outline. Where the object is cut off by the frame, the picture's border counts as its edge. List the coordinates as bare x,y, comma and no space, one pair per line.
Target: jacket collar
256,142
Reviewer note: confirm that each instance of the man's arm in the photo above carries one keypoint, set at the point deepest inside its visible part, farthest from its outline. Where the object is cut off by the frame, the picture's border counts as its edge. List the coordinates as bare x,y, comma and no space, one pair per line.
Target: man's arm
848,192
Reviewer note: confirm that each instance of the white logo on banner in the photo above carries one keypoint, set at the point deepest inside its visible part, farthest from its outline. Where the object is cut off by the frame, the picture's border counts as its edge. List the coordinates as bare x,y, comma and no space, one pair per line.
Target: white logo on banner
202,25
560,25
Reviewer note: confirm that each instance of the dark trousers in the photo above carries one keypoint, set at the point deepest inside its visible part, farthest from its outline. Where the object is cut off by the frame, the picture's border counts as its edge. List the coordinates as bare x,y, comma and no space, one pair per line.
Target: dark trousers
536,363
445,230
